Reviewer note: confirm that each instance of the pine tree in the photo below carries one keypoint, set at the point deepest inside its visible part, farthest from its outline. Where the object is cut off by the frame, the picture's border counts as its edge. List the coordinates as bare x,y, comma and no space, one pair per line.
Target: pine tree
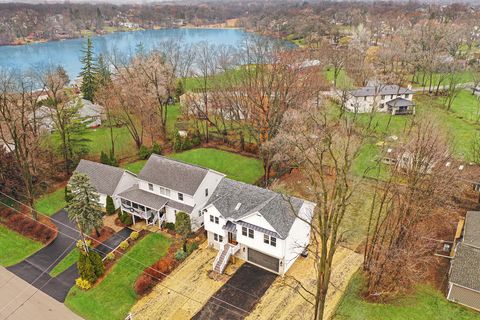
103,73
88,72
110,206
84,208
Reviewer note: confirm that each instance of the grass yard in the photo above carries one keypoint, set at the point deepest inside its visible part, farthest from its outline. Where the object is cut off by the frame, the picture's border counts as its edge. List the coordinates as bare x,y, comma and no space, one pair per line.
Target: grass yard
51,203
343,80
467,106
15,247
65,263
114,296
424,303
235,166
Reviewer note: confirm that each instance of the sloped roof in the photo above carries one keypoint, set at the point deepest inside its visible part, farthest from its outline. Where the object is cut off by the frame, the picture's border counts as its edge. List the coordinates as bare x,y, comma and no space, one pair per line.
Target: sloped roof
465,269
236,200
400,102
90,109
471,235
103,177
173,174
380,90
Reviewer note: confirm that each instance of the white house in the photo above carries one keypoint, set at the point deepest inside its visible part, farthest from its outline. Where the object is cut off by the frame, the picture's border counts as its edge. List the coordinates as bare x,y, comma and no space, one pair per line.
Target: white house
108,180
260,226
383,98
257,225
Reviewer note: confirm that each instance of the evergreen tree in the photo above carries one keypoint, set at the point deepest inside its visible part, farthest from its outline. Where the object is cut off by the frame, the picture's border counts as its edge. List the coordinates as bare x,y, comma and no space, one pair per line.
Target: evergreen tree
183,227
88,72
110,206
84,208
103,73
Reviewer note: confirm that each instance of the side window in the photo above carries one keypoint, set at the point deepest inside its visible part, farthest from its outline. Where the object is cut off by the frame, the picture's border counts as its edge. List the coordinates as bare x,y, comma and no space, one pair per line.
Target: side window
250,233
244,231
206,192
211,218
150,187
220,238
273,241
217,220
180,196
215,237
266,239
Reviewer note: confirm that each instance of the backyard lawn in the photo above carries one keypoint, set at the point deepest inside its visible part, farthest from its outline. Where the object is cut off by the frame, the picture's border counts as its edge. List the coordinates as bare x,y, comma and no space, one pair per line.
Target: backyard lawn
424,303
15,247
114,296
235,166
51,203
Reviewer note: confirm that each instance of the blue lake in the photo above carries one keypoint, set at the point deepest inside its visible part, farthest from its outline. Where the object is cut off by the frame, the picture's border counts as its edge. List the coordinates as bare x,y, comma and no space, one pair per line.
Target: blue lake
68,52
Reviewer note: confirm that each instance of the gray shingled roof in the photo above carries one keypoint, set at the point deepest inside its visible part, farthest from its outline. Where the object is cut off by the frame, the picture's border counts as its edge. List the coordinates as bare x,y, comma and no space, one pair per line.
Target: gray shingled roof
472,229
274,207
104,178
400,102
146,198
465,267
173,174
152,200
380,90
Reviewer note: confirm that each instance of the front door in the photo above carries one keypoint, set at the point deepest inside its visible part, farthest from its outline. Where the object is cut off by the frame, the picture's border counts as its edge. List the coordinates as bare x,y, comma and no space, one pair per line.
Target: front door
232,238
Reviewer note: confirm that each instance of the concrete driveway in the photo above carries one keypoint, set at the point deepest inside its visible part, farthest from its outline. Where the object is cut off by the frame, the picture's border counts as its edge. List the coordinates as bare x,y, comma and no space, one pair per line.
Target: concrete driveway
20,301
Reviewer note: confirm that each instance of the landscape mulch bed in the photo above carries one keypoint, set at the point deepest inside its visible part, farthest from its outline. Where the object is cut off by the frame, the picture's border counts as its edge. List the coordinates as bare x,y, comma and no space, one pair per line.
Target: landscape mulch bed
43,230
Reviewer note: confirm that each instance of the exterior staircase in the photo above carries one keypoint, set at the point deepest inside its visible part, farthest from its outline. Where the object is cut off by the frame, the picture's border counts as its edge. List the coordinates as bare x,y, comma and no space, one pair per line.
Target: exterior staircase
223,257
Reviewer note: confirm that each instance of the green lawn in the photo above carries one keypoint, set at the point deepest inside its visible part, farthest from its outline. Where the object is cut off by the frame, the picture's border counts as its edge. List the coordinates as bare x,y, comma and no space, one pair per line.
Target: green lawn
424,303
467,106
343,80
464,77
235,166
15,247
51,203
70,258
114,296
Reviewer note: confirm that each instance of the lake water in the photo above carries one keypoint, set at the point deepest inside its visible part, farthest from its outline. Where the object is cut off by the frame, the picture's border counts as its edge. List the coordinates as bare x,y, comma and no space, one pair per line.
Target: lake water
68,52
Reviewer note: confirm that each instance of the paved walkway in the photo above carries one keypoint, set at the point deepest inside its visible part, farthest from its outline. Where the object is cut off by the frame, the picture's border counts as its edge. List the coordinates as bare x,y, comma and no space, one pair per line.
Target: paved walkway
238,295
21,301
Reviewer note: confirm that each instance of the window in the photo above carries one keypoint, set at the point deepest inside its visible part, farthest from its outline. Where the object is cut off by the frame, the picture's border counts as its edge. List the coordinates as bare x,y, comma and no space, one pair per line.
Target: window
382,105
150,187
407,95
273,241
206,192
211,218
365,98
383,97
266,239
215,237
391,97
220,238
250,233
244,231
180,196
217,220
165,191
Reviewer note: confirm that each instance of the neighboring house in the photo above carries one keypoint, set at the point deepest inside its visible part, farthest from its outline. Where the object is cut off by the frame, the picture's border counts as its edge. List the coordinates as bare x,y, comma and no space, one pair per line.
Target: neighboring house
93,113
383,98
260,226
257,225
464,275
108,180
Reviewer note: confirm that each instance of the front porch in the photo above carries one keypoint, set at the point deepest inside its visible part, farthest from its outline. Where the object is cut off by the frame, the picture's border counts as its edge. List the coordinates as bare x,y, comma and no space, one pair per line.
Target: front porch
142,212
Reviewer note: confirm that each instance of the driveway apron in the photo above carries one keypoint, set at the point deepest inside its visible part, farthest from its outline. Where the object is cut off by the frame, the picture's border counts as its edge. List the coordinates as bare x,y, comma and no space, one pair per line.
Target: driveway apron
239,294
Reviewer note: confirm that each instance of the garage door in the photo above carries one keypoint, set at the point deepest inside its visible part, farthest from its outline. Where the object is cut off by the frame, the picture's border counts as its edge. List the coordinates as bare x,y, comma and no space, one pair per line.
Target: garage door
263,260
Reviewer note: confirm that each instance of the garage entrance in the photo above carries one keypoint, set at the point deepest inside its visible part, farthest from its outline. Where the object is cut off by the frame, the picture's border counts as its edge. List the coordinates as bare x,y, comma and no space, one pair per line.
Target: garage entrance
263,260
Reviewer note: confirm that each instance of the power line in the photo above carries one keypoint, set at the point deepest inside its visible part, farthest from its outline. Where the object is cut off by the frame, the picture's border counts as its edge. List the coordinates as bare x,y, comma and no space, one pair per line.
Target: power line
130,258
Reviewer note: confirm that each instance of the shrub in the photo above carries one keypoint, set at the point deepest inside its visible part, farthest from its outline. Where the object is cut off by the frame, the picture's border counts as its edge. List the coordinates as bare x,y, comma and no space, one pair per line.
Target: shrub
169,226
80,246
110,256
183,226
68,194
192,247
144,152
90,266
156,148
83,284
110,206
180,255
124,245
134,235
104,158
125,218
143,284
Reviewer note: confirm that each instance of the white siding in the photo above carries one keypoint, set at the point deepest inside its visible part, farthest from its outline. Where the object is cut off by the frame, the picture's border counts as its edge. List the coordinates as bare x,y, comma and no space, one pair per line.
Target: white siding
127,181
362,105
187,199
299,235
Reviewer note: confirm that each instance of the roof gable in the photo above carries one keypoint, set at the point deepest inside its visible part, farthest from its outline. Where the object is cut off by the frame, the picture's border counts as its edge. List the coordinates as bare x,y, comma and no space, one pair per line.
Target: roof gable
471,235
103,177
173,174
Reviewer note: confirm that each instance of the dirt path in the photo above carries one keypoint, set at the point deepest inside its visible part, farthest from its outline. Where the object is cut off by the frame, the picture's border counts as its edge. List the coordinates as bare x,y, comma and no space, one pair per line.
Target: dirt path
190,279
281,302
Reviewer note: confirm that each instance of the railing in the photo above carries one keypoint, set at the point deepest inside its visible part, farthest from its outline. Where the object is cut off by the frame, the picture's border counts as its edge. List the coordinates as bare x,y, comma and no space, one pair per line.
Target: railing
137,212
217,258
231,250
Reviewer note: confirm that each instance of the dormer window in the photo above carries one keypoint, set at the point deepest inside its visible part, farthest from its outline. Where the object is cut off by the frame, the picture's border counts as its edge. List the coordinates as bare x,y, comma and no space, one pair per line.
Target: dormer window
150,187
180,196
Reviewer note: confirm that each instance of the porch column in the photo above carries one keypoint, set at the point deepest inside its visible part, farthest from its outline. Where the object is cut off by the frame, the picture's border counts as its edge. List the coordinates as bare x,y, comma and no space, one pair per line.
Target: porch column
158,218
133,218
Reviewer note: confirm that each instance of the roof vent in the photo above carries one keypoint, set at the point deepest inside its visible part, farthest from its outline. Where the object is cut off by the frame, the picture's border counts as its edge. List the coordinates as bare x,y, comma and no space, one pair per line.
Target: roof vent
238,206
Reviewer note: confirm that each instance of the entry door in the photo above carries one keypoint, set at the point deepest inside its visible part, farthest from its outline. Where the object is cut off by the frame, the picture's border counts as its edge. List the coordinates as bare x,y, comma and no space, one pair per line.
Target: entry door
232,238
